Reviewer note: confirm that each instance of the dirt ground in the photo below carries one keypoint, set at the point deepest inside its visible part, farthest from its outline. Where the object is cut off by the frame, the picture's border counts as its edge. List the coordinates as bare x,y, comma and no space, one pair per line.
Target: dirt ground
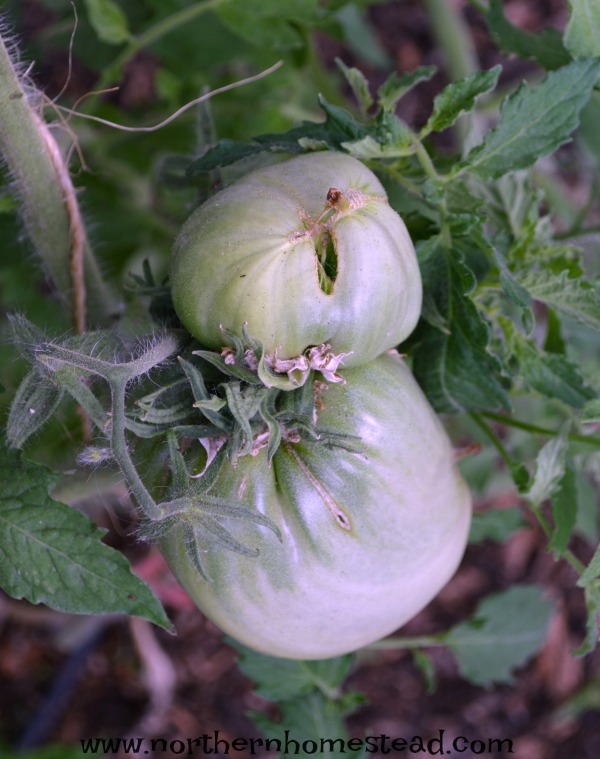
64,678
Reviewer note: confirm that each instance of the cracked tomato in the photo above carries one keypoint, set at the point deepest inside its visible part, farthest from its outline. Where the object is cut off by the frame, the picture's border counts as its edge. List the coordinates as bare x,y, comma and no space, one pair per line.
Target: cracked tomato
306,252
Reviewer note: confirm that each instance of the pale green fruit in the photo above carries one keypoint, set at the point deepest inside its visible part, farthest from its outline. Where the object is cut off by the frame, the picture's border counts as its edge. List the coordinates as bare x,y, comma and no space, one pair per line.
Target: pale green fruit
258,253
368,539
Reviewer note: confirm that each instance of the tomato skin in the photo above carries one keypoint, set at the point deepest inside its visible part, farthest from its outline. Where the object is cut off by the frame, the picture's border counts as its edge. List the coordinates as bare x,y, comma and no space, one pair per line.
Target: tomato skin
239,259
330,588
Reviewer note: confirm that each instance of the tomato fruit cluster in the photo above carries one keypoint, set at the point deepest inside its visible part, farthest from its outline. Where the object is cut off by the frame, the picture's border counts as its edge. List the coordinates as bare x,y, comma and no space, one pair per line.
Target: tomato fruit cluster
305,253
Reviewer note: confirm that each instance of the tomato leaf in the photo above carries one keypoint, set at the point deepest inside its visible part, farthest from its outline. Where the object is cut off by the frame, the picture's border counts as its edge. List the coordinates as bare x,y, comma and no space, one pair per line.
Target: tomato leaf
339,127
260,29
582,35
592,597
359,84
592,571
395,87
314,723
591,412
108,20
551,374
545,48
459,97
549,470
311,704
506,630
51,553
35,402
455,368
564,512
282,679
535,121
573,296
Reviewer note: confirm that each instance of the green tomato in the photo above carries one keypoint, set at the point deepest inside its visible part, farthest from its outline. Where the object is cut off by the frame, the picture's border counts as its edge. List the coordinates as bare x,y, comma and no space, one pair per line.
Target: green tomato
306,252
368,538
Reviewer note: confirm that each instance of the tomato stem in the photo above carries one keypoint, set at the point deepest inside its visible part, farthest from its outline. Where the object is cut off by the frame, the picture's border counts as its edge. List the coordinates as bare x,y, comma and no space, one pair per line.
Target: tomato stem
419,641
510,421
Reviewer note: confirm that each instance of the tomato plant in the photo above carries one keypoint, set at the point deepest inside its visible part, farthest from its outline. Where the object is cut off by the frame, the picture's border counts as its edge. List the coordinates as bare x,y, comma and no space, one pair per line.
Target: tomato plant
295,473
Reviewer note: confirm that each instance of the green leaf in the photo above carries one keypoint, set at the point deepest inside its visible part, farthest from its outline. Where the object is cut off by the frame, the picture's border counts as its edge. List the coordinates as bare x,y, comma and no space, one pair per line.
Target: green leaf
342,121
592,599
592,571
302,11
590,412
545,48
315,723
549,470
108,21
564,512
395,87
269,24
223,153
574,297
53,554
35,401
359,84
506,630
459,97
425,663
512,289
551,374
282,679
496,524
588,133
582,35
339,127
535,121
454,367
585,699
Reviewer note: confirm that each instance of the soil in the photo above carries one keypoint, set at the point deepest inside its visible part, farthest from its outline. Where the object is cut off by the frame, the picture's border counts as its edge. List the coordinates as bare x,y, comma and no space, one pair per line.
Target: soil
64,678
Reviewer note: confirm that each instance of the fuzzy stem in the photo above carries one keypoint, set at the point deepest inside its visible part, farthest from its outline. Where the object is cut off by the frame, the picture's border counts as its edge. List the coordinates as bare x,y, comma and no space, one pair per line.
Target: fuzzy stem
163,349
120,451
48,201
495,440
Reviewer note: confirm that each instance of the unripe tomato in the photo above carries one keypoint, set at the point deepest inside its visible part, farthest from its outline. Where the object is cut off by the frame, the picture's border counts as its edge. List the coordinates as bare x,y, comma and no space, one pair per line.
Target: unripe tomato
306,252
368,538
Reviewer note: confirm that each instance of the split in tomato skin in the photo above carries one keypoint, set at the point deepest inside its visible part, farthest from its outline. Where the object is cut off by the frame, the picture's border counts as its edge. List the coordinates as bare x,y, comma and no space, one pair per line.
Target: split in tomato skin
368,539
305,252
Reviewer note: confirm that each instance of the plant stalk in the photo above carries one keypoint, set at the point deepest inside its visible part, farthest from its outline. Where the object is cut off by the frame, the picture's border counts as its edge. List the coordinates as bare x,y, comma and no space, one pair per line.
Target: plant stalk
120,451
48,203
510,421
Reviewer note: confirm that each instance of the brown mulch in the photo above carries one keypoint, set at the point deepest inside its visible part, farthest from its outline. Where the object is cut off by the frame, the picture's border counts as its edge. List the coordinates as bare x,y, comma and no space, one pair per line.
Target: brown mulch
109,696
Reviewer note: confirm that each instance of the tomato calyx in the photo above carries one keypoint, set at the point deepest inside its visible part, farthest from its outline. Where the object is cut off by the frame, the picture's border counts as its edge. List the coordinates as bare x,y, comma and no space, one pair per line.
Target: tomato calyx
263,400
245,359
